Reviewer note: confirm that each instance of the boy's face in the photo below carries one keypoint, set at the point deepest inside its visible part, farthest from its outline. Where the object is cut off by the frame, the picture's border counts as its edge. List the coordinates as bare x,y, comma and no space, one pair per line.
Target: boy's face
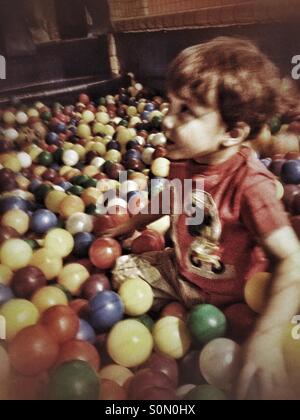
193,131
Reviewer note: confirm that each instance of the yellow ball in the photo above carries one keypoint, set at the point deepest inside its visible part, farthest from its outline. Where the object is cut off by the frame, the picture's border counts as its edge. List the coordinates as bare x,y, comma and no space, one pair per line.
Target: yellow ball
48,262
32,112
64,170
60,242
70,205
9,117
257,290
114,156
109,130
18,314
47,297
90,171
99,148
12,162
102,117
124,136
23,182
279,190
88,116
84,131
132,111
53,200
73,277
80,150
92,196
130,343
99,128
15,254
17,219
137,297
115,373
6,275
161,167
172,337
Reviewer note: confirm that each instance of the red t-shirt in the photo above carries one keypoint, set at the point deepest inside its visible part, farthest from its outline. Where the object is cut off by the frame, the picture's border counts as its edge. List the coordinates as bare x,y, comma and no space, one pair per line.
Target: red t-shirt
241,208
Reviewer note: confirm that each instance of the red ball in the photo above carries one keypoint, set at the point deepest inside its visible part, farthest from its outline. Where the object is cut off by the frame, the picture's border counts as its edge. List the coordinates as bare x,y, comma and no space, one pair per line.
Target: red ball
61,322
175,309
96,284
104,253
241,322
159,394
111,391
115,170
33,351
145,380
84,99
148,241
164,364
109,221
7,232
79,350
81,308
27,281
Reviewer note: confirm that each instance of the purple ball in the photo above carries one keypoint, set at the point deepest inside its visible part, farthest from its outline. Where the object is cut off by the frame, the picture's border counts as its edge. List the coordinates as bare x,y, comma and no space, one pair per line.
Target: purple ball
42,221
12,203
86,332
83,242
6,294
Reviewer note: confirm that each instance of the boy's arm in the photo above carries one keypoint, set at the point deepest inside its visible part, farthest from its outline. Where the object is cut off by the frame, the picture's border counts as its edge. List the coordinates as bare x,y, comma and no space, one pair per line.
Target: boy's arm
263,359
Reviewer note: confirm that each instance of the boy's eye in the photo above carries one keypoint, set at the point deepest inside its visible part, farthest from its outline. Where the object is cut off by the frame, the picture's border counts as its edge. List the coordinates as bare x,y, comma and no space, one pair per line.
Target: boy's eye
185,109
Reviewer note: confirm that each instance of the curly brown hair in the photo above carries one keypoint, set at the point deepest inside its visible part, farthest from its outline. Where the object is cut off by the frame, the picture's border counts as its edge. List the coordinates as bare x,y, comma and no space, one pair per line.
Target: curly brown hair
233,75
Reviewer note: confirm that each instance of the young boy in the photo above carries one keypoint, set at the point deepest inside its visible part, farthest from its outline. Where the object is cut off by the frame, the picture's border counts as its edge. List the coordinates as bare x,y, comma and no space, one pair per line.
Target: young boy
222,94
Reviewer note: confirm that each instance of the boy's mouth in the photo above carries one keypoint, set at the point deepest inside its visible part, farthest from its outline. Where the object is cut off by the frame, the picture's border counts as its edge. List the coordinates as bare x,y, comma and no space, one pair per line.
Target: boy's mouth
170,143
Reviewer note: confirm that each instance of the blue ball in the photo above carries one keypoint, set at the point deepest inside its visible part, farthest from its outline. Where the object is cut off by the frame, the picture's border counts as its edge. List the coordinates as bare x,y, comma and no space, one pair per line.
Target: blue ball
86,332
12,203
149,107
83,242
65,185
6,294
34,185
132,144
145,115
114,145
60,128
42,221
132,154
291,172
107,309
52,139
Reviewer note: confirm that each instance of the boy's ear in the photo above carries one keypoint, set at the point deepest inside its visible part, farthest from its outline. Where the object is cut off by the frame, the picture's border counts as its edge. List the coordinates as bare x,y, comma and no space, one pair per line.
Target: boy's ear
237,135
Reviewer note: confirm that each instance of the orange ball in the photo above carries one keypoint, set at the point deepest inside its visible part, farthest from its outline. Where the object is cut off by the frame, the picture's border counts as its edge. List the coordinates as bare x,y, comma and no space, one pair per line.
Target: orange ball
79,350
175,309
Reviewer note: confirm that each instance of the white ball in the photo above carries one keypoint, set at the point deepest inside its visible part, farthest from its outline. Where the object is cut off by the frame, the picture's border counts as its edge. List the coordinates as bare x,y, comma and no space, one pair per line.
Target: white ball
70,158
98,162
22,118
151,138
79,222
88,116
25,160
148,155
127,187
141,141
159,140
11,134
161,167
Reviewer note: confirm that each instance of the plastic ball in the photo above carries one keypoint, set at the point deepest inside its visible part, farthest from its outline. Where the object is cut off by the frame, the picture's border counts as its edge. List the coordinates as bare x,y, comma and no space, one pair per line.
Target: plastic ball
291,172
17,219
96,284
206,323
60,242
72,277
11,203
27,281
147,156
25,160
48,262
115,373
45,159
70,158
8,181
164,364
54,199
47,297
111,391
6,275
137,296
175,309
42,221
74,381
79,222
88,116
106,310
71,205
130,343
82,244
257,290
15,254
61,322
206,393
18,314
171,337
146,382
84,131
104,253
6,294
86,332
219,363
11,134
102,117
40,349
161,167
79,350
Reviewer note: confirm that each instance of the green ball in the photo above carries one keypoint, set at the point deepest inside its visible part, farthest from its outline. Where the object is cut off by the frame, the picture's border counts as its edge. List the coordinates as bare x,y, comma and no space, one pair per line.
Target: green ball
102,101
74,381
206,393
41,192
57,155
46,116
80,180
157,122
90,183
123,123
32,243
206,323
75,190
147,321
275,125
45,159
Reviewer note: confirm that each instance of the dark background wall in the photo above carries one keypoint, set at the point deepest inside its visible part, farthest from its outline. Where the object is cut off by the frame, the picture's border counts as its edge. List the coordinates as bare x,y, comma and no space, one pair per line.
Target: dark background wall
148,54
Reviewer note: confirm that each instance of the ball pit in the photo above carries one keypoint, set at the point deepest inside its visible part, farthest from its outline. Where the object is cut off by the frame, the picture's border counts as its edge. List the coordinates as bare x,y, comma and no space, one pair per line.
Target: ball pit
56,292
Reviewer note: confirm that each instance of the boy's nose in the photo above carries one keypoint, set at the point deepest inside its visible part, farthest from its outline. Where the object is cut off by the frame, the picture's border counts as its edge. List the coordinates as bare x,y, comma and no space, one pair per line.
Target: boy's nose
169,122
